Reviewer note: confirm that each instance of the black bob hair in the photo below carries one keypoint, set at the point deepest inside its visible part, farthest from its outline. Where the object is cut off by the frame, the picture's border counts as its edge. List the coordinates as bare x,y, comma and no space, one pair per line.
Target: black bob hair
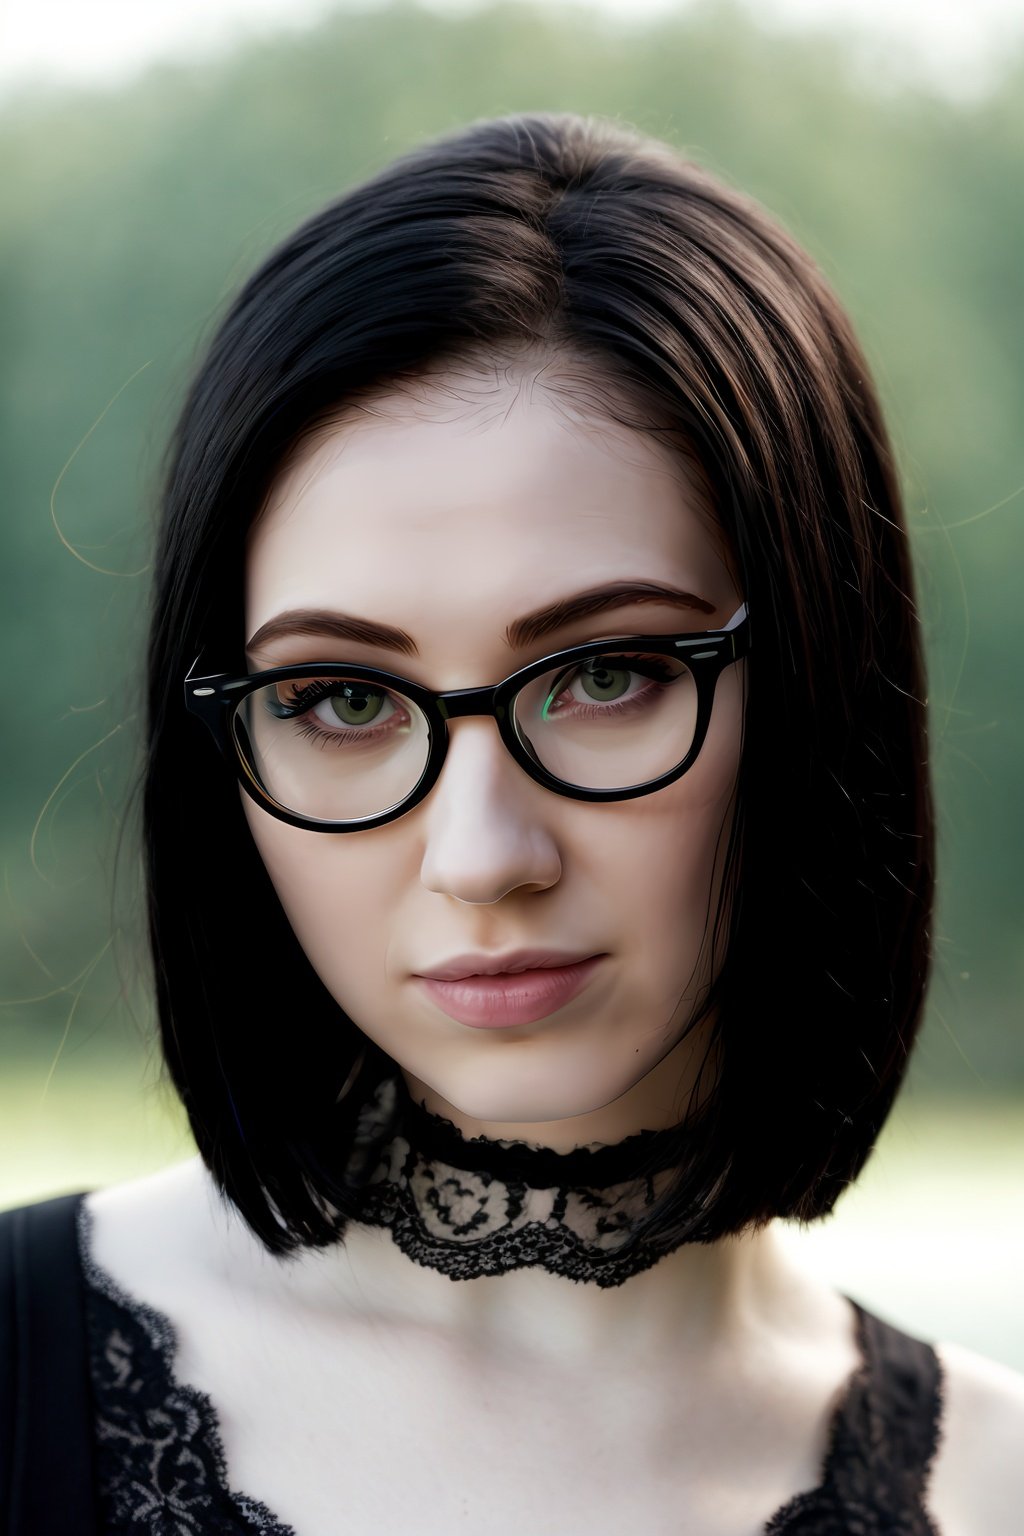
591,240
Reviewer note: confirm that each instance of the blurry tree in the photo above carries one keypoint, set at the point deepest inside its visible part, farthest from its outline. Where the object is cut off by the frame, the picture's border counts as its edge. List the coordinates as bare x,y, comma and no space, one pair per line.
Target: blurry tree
131,216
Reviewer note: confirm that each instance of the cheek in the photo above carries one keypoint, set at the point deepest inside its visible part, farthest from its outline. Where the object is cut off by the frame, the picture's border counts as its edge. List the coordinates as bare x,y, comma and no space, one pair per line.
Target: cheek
666,865
662,856
328,893
676,831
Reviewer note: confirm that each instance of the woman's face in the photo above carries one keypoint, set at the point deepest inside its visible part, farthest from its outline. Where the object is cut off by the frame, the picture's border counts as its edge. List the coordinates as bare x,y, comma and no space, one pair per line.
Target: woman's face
450,513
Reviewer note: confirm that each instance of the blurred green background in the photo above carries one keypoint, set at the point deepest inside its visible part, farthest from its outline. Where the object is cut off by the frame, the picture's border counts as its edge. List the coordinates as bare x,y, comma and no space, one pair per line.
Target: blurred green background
130,216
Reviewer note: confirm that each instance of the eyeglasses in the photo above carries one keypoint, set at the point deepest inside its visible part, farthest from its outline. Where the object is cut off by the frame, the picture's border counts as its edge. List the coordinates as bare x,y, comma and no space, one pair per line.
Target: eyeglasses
338,748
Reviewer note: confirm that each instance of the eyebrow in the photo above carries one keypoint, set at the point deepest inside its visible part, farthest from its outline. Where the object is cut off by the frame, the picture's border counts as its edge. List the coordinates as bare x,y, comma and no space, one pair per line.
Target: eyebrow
522,632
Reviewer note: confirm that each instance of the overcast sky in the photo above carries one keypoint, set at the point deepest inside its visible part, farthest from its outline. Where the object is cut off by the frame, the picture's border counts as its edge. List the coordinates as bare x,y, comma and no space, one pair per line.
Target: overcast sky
954,44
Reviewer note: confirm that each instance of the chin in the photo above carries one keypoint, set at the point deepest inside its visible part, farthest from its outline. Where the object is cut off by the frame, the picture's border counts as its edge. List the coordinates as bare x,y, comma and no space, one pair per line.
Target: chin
516,1101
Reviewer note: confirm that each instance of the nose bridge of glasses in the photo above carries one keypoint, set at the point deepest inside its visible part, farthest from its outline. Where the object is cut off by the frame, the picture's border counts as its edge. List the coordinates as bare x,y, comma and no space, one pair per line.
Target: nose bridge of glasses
463,702
473,704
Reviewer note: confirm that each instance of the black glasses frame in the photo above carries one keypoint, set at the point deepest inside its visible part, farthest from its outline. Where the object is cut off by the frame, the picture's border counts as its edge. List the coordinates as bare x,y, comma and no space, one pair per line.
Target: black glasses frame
215,696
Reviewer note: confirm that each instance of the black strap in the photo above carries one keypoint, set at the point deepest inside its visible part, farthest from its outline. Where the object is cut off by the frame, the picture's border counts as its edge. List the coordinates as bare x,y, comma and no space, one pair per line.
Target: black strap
47,1485
888,1427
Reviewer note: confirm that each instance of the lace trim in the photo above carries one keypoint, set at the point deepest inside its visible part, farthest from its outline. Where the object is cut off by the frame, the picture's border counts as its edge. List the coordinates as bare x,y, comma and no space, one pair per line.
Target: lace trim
160,1449
472,1206
595,1166
883,1433
161,1465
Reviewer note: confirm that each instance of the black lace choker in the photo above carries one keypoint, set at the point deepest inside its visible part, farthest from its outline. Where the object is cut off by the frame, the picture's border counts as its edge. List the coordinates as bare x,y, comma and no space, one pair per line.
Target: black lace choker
470,1206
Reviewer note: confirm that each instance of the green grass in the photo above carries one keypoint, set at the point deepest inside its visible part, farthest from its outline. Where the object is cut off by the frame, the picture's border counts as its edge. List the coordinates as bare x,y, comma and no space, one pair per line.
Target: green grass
84,1129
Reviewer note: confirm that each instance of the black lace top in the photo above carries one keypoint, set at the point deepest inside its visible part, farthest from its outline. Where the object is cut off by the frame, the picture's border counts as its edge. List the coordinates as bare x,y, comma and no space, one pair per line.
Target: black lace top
161,1468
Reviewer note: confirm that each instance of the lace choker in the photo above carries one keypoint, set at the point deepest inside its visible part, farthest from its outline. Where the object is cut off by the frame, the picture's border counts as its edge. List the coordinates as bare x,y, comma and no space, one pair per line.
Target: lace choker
471,1206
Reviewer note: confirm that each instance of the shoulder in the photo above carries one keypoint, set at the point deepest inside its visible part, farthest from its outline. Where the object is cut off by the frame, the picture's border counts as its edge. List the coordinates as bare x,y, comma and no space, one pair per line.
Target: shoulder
173,1240
146,1233
977,1481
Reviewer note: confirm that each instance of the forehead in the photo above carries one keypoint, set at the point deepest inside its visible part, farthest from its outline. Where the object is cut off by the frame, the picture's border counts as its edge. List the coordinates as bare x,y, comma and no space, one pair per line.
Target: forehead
450,515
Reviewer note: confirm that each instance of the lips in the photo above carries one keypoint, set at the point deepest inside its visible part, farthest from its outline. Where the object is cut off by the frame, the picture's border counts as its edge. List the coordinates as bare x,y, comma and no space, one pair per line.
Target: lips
501,1000
512,963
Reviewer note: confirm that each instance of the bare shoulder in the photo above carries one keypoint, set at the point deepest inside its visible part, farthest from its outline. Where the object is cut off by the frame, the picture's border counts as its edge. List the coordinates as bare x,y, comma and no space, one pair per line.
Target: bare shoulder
173,1240
977,1481
153,1194
147,1228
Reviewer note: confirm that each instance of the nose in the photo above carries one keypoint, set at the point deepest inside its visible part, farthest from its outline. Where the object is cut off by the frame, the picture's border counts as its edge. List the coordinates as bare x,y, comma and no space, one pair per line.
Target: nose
487,826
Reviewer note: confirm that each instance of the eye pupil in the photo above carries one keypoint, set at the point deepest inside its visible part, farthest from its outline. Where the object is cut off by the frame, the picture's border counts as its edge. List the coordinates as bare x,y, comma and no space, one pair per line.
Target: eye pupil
358,700
602,677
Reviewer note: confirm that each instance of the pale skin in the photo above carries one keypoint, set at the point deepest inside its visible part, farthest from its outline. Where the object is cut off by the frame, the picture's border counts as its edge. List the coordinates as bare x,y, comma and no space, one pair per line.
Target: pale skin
449,513
461,509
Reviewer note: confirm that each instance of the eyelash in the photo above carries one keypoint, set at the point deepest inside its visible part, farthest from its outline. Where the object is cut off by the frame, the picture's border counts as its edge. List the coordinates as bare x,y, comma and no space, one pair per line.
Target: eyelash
302,700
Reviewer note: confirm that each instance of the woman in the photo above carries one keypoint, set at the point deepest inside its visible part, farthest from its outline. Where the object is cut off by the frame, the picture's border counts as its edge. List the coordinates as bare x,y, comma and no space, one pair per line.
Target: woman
533,560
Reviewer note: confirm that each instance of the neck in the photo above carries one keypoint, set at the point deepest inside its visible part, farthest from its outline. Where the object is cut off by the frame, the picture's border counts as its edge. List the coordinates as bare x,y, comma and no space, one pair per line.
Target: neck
693,1301
515,1222
657,1101
519,1222
699,1305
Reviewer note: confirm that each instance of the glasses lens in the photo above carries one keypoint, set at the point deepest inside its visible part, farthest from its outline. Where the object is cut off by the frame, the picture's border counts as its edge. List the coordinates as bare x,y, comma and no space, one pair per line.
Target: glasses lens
332,748
344,749
614,721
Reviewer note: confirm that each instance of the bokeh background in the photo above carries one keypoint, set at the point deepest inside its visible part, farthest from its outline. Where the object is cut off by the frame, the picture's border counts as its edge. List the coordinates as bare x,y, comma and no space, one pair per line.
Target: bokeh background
151,155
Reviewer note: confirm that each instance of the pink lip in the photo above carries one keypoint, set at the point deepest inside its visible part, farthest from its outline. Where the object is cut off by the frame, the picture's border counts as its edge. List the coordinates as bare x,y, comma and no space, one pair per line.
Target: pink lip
498,1002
